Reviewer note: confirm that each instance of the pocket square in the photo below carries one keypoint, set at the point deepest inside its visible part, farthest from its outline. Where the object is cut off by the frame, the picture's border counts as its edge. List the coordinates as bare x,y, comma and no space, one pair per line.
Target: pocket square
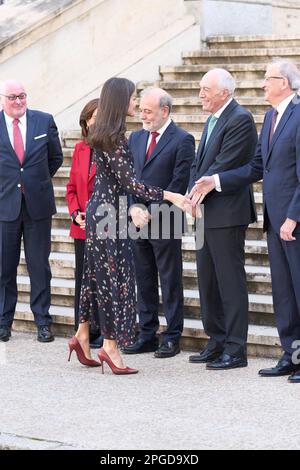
40,136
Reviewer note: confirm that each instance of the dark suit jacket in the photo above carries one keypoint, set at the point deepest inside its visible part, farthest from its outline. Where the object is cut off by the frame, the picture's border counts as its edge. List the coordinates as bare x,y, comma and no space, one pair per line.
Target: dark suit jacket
81,184
231,144
168,167
278,165
42,158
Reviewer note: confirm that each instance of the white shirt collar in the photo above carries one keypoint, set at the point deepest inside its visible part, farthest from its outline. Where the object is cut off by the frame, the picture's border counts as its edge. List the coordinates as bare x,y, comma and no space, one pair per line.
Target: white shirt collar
220,111
164,127
9,119
284,104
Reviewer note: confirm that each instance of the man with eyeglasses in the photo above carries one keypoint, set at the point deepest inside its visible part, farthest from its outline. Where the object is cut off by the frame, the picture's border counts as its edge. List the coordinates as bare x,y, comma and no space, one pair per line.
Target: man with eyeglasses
277,161
30,155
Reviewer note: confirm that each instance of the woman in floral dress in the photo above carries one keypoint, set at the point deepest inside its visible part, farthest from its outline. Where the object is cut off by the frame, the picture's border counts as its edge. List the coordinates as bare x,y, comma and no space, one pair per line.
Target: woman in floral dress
108,285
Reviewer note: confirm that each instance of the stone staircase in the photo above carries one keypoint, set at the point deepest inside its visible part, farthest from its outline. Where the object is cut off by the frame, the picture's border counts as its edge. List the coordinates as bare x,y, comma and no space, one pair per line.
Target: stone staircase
246,59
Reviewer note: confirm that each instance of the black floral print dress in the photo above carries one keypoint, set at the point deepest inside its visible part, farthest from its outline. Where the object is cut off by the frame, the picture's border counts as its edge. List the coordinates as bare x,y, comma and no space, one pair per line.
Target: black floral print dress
108,285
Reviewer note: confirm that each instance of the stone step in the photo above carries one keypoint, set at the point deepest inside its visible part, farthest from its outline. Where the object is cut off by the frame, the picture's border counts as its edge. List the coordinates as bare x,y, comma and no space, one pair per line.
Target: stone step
62,294
190,88
61,178
63,267
252,42
189,122
239,55
256,251
258,278
191,105
68,152
263,341
248,71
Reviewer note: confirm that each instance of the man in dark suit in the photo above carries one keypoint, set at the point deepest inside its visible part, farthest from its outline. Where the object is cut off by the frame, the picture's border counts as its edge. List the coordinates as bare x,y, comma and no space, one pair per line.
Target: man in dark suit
163,154
228,141
30,154
277,161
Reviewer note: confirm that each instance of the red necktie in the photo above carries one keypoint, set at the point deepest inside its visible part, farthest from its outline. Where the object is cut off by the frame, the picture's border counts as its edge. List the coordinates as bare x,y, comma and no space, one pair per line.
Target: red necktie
18,141
154,135
273,123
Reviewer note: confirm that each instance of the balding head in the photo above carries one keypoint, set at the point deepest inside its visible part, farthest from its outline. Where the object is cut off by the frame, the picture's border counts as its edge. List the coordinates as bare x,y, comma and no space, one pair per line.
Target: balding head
13,98
216,88
155,107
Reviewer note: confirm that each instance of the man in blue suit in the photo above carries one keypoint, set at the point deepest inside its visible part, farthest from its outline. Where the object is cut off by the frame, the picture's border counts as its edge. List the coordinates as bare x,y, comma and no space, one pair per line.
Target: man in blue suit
30,154
277,161
163,154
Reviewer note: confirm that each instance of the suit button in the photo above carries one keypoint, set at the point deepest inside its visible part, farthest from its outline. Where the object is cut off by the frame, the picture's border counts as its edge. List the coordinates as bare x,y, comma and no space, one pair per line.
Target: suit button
19,185
22,169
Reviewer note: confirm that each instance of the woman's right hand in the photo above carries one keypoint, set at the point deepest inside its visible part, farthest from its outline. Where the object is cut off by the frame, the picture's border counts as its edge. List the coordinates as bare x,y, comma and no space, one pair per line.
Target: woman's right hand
80,219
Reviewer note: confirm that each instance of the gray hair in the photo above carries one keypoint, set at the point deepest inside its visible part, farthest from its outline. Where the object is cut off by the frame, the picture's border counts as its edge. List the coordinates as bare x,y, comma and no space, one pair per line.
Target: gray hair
164,98
289,70
226,81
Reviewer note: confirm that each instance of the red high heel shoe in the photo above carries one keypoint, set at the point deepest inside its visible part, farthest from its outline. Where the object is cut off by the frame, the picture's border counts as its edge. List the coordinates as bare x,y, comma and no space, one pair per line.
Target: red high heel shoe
104,357
74,345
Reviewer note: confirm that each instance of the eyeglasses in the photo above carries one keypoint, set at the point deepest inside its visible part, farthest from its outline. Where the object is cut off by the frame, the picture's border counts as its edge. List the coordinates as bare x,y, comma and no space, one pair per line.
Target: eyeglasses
21,96
267,79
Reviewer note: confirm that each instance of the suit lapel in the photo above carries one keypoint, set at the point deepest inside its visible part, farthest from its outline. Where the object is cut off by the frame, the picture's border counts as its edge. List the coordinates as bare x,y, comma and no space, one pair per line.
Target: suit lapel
284,119
142,147
163,141
200,151
31,124
218,127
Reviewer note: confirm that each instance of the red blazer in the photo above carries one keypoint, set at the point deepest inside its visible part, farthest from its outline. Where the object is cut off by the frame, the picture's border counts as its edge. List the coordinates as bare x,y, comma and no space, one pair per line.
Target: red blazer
81,184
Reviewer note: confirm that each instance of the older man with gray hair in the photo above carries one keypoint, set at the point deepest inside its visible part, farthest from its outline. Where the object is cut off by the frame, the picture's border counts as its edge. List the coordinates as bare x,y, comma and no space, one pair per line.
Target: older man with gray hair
277,161
228,141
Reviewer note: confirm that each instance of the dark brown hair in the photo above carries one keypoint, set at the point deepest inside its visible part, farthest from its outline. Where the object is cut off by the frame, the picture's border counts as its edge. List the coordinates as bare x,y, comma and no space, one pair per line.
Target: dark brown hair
86,115
109,127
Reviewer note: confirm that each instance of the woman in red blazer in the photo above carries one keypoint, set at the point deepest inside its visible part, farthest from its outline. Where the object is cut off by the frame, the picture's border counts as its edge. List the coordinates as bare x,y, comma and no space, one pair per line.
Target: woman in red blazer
79,190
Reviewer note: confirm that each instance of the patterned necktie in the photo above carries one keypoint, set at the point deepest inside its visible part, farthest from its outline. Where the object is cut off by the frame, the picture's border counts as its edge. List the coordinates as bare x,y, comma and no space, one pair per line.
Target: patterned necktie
18,141
154,135
210,128
273,123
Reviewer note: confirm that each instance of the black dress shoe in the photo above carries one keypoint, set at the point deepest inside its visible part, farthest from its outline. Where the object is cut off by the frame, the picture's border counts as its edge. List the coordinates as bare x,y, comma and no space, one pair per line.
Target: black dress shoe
284,367
168,349
96,343
45,335
226,361
5,333
141,346
295,378
204,357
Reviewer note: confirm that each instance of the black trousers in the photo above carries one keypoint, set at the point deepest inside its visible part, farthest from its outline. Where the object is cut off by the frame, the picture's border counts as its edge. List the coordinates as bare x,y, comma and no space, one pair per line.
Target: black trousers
285,271
163,258
37,245
223,289
79,258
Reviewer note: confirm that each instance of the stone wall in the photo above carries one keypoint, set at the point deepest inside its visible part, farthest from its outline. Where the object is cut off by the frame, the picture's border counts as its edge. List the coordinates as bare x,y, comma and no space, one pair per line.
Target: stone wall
64,59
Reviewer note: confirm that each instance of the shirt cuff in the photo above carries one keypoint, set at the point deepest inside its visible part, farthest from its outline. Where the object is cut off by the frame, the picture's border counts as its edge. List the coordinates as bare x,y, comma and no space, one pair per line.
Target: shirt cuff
217,183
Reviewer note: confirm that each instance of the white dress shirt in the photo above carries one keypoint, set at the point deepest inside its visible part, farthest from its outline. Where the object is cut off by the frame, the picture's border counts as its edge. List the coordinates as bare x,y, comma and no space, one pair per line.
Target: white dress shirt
281,109
160,131
22,126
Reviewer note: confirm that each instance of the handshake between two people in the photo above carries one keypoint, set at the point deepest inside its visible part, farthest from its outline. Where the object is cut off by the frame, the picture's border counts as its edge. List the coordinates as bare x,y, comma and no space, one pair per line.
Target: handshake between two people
189,203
